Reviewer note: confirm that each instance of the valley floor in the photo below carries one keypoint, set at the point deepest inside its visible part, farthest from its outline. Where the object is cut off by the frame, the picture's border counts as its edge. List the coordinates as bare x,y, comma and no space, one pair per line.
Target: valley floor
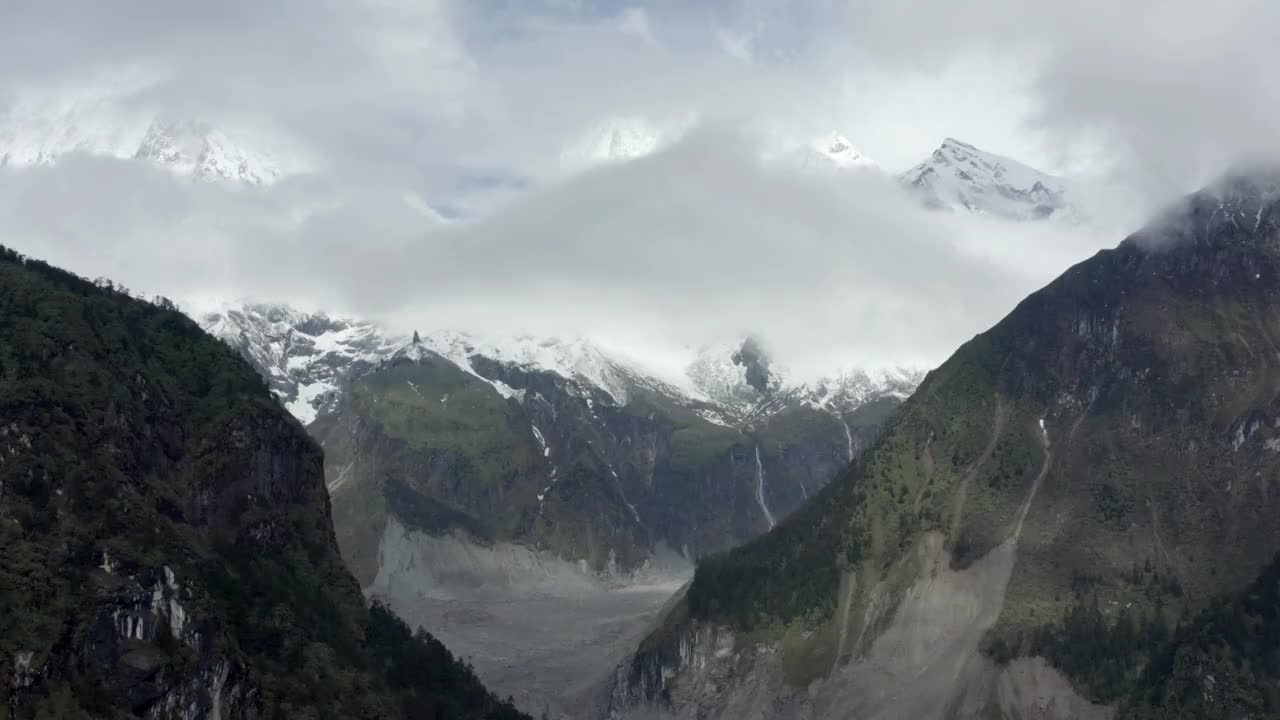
550,654
533,627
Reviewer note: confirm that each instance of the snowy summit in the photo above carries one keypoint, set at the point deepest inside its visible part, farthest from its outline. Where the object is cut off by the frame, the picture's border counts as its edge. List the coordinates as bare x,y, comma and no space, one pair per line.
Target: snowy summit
310,358
615,140
959,176
836,149
41,131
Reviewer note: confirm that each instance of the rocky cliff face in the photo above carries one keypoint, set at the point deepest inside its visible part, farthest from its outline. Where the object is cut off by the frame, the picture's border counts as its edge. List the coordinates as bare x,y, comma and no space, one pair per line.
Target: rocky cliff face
1022,536
168,550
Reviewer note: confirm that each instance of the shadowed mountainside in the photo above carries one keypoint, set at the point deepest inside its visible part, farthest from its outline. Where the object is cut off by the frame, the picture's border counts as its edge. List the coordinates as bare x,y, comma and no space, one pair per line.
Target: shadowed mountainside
168,550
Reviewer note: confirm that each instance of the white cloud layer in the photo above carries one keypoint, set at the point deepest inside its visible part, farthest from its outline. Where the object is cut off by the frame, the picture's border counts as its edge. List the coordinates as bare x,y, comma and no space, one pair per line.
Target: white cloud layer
697,243
472,106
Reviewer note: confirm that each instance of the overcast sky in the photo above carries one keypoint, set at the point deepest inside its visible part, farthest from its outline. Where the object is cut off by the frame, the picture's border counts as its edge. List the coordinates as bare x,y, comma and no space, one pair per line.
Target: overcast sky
470,106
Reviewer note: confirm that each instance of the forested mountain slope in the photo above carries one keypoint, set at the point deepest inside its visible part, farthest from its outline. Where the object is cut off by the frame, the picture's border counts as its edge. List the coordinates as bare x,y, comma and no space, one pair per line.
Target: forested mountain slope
1224,663
167,546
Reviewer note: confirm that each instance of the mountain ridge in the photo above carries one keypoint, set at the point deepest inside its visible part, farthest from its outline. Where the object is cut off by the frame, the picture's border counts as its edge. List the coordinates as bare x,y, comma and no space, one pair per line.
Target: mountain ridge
286,344
1125,411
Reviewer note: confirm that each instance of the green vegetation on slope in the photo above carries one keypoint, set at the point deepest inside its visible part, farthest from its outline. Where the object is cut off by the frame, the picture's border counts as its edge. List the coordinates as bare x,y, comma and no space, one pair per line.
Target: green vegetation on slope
695,442
1139,387
426,514
426,681
437,408
1223,664
1101,654
868,518
166,533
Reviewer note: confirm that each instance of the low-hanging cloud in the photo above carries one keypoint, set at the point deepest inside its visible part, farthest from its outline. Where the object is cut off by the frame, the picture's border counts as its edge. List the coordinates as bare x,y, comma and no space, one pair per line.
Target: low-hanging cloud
468,106
699,243
1169,93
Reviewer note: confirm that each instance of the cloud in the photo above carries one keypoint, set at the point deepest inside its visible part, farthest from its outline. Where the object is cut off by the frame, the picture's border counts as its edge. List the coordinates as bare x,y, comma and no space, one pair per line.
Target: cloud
736,44
371,88
420,91
697,243
417,93
635,21
470,107
1170,93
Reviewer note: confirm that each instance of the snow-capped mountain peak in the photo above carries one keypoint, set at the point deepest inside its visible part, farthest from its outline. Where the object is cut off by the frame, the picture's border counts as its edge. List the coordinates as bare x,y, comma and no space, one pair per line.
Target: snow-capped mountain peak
829,153
40,131
303,356
310,359
195,149
959,176
738,374
307,357
615,140
836,149
746,384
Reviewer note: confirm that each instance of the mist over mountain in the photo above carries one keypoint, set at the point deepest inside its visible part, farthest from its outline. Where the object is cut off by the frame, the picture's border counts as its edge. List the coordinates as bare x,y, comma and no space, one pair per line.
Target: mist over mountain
40,131
655,360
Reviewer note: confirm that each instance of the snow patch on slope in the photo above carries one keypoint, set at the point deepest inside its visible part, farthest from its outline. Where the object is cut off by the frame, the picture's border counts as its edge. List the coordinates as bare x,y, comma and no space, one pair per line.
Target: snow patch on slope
713,372
303,356
576,359
306,357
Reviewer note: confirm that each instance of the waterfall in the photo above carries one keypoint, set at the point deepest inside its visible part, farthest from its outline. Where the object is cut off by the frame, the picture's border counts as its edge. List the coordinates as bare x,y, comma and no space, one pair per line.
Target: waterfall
760,489
848,436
